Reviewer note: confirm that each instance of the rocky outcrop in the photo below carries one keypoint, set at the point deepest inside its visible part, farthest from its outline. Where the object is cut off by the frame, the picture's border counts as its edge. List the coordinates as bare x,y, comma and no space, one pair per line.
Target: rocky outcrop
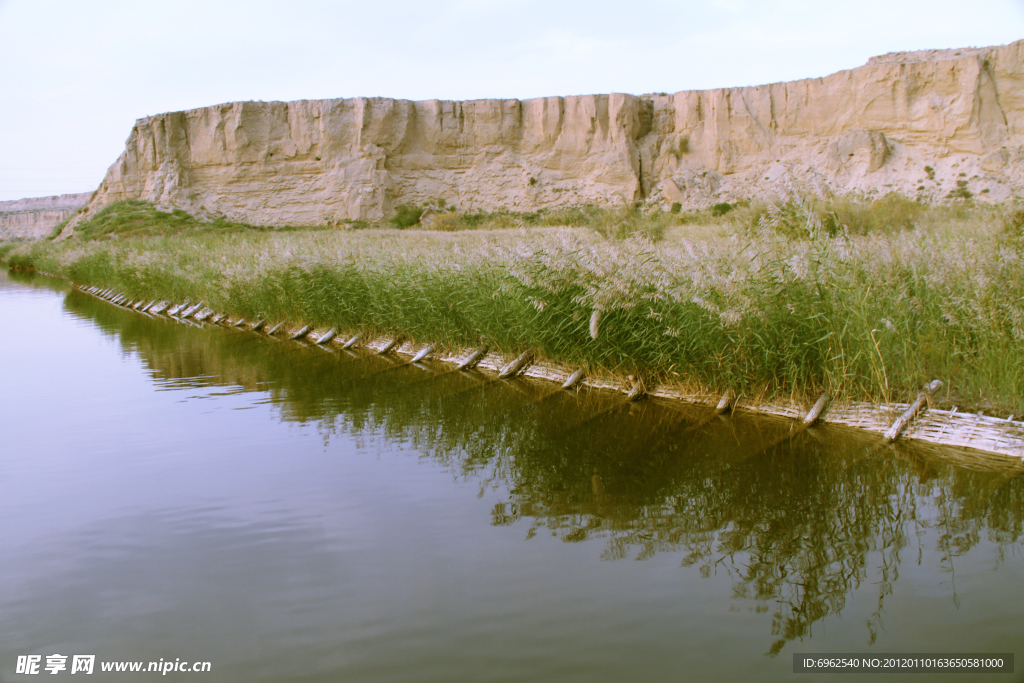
925,124
37,217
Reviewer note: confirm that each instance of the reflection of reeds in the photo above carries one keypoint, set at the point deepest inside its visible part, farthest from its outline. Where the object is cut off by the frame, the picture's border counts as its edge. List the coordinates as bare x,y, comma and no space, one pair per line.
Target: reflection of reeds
797,529
865,317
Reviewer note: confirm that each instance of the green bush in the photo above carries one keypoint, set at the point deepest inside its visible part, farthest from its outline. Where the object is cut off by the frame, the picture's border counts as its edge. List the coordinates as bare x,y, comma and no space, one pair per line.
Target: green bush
5,249
800,217
406,215
1013,225
961,191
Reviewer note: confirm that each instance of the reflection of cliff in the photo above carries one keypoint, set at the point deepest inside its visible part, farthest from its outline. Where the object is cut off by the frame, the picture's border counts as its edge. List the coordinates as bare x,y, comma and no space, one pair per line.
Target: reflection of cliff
795,525
916,123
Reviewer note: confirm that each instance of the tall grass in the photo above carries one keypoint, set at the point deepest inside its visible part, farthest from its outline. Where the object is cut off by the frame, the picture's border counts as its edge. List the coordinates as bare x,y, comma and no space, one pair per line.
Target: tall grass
865,316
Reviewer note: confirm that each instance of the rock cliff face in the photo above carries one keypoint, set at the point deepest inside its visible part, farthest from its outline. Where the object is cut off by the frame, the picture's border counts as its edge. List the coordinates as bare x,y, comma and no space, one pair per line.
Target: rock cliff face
916,123
35,218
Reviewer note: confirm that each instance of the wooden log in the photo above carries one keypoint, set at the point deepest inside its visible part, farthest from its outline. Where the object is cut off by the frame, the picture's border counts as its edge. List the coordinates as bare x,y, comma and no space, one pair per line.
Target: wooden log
423,353
574,379
259,324
217,318
518,365
301,333
637,391
174,310
812,416
903,420
473,360
725,403
238,323
203,315
816,410
327,336
352,342
158,308
390,346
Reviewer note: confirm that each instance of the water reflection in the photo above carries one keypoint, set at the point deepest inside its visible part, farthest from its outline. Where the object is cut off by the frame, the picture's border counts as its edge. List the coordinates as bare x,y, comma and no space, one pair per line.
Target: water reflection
797,527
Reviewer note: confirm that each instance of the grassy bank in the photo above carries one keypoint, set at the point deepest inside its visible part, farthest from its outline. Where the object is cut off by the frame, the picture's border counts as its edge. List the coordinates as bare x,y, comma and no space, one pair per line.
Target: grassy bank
772,299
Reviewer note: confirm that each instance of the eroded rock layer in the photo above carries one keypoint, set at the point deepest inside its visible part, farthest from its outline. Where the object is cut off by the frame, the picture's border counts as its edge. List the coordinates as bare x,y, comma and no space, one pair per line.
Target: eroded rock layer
37,217
925,124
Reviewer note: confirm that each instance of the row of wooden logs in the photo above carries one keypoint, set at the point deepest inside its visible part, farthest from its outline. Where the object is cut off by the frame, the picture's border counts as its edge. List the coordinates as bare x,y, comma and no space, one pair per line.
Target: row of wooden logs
201,313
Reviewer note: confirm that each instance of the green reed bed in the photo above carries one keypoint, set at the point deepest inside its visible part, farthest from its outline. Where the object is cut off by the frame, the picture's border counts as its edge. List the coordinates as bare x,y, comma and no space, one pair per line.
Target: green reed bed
867,317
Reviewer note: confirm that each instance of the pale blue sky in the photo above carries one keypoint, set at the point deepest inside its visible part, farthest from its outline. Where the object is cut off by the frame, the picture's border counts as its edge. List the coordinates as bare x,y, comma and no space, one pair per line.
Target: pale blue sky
75,75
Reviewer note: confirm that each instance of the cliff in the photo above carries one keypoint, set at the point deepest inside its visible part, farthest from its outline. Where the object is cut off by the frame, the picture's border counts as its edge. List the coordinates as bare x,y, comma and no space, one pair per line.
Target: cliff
37,217
915,123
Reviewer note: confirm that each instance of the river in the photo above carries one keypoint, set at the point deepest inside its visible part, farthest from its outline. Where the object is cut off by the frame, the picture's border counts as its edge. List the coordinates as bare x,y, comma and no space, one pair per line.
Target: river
291,513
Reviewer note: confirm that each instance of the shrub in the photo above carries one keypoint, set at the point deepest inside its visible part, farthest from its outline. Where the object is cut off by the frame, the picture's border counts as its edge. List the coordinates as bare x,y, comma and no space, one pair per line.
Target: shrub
961,191
1013,225
721,209
447,222
799,217
406,215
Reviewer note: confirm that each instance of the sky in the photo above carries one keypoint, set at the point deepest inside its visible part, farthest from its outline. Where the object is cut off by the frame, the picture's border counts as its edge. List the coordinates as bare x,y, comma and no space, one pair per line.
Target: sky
74,75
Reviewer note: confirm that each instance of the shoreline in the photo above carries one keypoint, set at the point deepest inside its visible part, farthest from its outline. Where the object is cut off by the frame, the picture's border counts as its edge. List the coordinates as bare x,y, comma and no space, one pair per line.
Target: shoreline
775,304
981,442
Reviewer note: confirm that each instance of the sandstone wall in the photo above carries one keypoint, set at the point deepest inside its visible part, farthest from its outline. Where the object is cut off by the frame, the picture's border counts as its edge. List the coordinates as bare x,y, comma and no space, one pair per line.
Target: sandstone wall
915,123
37,217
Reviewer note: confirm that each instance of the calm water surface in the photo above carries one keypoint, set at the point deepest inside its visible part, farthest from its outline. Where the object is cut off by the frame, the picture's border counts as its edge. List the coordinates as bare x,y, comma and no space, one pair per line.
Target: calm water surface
290,513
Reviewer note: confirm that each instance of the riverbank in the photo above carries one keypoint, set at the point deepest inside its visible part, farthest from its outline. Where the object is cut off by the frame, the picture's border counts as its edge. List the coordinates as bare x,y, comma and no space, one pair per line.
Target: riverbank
764,310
